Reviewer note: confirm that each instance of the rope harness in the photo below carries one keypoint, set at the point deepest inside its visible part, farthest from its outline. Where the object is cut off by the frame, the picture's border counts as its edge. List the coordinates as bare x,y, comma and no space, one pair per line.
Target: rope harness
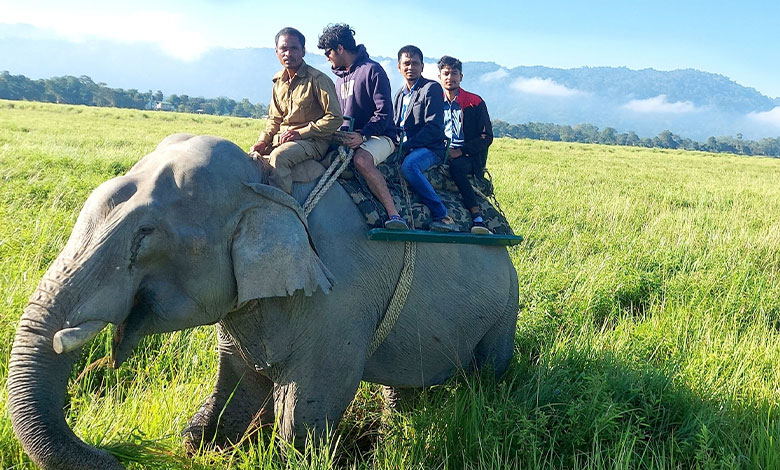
404,285
335,169
398,300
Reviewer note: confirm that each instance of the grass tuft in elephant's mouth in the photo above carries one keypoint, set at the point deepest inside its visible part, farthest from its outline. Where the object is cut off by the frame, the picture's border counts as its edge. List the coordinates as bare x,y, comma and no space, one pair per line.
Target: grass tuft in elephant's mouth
119,333
129,333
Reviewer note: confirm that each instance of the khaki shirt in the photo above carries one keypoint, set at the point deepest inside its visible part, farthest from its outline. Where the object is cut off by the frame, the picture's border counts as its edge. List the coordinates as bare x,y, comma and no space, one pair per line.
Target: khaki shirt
308,104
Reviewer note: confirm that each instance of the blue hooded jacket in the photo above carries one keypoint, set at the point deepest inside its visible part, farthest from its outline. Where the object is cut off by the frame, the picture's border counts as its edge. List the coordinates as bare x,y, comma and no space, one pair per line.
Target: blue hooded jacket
364,93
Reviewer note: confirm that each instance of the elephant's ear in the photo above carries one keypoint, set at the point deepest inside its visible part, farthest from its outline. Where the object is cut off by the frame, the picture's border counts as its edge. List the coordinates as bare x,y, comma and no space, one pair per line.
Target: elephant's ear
273,255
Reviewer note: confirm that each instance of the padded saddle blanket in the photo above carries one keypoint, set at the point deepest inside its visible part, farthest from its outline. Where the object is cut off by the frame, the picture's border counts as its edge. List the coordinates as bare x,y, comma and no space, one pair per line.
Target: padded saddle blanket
418,216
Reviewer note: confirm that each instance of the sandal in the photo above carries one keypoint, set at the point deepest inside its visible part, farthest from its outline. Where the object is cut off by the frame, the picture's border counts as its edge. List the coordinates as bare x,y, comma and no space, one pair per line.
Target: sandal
396,222
445,224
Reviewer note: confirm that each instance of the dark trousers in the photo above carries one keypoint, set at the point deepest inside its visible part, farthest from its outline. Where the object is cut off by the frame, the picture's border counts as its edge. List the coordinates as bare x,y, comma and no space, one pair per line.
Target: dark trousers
460,169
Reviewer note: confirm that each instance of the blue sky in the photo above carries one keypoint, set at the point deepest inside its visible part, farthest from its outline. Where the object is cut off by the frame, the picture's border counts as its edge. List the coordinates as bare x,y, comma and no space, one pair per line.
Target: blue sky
736,39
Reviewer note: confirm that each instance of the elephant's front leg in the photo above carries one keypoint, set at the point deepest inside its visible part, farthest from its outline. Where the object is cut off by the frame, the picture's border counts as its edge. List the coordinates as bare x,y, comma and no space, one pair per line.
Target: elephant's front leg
240,396
311,405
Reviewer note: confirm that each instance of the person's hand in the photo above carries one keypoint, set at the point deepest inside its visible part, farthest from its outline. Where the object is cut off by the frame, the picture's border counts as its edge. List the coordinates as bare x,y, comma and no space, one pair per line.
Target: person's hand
354,140
455,153
258,147
289,136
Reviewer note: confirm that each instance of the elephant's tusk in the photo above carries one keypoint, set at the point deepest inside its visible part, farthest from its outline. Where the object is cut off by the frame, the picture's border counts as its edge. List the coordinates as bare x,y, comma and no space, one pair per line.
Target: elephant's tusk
70,339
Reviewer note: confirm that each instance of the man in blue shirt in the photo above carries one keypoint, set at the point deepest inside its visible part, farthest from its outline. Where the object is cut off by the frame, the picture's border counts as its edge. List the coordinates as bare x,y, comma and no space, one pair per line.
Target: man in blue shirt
419,110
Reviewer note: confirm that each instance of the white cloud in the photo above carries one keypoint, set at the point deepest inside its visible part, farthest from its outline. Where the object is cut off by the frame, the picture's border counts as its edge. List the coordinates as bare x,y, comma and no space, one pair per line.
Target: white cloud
496,75
544,87
431,71
389,66
171,31
767,117
659,104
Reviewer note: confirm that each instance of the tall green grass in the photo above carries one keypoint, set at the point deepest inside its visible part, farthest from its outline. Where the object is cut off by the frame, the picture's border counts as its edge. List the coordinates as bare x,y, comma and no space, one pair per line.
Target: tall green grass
647,335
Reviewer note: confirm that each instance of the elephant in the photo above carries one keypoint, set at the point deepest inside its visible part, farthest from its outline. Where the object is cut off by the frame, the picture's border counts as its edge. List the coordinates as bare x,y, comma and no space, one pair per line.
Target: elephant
191,235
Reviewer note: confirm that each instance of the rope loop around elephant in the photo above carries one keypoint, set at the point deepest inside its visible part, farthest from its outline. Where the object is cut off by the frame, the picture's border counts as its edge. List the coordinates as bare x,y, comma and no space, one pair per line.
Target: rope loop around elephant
398,300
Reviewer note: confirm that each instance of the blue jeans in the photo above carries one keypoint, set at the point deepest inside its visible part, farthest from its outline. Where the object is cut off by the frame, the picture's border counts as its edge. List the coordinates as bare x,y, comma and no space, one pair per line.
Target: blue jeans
413,166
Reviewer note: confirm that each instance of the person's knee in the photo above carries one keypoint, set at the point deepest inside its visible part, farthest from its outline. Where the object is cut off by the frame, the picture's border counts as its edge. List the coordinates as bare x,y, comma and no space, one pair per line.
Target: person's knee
279,158
288,155
460,170
408,169
457,171
459,165
364,161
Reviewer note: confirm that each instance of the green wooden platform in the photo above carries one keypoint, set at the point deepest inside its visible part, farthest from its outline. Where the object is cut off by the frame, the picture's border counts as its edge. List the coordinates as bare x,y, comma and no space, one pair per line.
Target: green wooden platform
422,236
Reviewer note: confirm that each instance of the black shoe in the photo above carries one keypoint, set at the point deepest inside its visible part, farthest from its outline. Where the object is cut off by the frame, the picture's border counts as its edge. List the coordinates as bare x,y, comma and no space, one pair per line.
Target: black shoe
479,228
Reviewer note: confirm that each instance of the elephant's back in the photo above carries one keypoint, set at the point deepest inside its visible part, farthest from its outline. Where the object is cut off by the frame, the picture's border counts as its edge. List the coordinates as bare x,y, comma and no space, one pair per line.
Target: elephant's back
459,293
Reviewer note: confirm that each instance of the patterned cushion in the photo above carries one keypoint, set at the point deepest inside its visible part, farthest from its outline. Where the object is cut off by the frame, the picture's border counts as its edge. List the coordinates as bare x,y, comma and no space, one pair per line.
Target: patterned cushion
417,215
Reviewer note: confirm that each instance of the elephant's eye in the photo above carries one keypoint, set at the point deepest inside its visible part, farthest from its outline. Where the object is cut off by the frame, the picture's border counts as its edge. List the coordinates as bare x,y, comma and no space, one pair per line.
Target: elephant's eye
142,232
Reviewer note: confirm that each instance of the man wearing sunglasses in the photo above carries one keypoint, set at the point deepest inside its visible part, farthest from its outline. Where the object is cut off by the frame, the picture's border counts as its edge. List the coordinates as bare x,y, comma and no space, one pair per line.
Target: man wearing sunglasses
364,93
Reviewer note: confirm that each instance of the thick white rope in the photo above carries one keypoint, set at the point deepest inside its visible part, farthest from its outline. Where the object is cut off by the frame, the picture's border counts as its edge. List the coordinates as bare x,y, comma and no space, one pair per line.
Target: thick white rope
331,174
398,300
404,285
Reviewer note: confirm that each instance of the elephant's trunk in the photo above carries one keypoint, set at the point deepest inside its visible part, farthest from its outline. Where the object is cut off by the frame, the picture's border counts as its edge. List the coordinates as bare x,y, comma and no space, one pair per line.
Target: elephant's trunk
37,381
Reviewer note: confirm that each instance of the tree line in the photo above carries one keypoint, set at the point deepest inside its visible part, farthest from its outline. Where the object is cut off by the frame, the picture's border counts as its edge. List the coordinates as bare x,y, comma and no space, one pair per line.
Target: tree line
588,133
83,90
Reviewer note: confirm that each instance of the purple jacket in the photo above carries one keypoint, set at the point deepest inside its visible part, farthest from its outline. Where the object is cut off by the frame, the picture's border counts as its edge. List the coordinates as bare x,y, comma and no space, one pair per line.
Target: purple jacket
364,94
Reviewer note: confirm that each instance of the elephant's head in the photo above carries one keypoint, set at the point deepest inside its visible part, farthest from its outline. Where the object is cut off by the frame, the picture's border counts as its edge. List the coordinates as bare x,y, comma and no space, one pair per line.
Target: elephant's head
189,234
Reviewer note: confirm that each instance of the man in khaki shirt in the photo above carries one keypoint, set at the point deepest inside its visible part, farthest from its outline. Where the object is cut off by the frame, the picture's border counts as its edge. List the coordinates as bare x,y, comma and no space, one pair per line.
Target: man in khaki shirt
303,114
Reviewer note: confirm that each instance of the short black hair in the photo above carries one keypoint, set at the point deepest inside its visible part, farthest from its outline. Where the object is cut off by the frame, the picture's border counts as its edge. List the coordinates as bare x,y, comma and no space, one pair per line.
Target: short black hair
451,62
335,34
288,31
411,51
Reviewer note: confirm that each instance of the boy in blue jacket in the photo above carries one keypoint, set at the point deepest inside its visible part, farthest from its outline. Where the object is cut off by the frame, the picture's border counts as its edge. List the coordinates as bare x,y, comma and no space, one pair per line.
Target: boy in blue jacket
418,108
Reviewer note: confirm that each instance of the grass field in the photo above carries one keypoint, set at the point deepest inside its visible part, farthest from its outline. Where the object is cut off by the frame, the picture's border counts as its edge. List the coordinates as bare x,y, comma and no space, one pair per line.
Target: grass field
648,334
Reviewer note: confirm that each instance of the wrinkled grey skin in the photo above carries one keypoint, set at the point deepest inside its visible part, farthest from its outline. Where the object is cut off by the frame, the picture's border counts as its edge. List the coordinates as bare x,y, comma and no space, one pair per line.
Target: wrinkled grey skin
190,237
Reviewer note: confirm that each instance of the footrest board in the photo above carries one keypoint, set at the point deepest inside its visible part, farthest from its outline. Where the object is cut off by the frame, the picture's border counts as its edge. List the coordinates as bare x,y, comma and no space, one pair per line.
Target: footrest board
422,236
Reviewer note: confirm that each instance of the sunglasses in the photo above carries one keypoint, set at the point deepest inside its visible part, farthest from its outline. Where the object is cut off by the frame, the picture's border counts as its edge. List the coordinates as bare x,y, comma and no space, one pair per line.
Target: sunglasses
328,51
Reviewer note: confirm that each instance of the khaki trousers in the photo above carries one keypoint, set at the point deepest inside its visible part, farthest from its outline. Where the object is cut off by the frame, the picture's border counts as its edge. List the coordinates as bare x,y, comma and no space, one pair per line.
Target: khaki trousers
289,154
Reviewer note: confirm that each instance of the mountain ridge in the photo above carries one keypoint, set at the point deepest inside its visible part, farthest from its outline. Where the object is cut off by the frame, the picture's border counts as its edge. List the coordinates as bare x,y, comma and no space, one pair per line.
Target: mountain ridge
688,102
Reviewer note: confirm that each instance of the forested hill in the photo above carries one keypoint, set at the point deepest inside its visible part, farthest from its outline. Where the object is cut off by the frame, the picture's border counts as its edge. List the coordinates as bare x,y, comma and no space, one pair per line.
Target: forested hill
700,88
83,90
687,102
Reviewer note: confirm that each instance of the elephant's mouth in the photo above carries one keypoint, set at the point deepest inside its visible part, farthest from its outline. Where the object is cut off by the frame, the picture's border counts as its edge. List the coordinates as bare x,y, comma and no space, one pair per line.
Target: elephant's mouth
126,337
136,325
70,339
117,344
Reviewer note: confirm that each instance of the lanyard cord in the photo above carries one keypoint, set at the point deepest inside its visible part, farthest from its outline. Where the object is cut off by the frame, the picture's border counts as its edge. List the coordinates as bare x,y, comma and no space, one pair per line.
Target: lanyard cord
345,88
404,106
